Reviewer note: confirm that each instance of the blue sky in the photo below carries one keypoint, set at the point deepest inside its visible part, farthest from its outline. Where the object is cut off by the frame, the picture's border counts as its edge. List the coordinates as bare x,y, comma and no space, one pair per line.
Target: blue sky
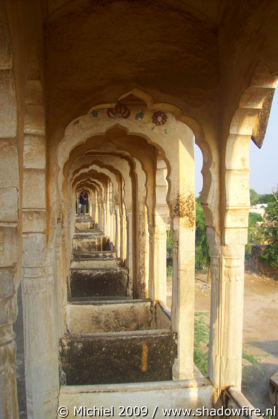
263,162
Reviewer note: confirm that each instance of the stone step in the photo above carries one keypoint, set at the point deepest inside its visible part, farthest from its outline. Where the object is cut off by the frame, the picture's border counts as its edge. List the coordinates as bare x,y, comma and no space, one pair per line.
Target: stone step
99,282
95,263
119,357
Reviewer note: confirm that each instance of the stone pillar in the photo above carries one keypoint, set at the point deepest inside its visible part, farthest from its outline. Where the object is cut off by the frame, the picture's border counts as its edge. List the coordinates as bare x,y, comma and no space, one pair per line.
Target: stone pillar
160,234
9,217
40,334
107,209
124,234
183,294
9,277
130,250
114,228
160,255
104,219
183,231
118,230
111,212
96,216
152,264
142,274
227,275
91,209
227,268
147,253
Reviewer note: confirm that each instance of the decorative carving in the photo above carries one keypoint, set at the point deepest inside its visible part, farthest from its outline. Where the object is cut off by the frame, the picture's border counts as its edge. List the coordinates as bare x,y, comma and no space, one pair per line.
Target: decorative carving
159,118
120,110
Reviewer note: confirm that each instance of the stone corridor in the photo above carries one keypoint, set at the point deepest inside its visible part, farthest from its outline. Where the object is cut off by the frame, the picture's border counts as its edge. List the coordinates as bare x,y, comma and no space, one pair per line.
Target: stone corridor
95,270
111,337
108,97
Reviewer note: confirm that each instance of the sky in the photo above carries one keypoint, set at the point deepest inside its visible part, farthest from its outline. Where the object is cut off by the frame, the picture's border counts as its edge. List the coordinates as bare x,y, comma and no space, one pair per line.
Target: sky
263,162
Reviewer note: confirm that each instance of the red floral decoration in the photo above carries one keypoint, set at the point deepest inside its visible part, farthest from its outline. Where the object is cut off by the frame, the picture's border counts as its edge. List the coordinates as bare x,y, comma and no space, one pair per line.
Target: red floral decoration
120,110
159,118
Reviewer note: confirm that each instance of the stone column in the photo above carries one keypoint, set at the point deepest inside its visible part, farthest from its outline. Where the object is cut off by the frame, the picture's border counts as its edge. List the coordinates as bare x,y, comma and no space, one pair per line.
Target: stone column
183,293
124,234
160,234
227,275
130,250
96,216
183,231
9,227
40,332
90,198
160,255
9,246
107,209
104,219
118,230
142,274
111,212
227,269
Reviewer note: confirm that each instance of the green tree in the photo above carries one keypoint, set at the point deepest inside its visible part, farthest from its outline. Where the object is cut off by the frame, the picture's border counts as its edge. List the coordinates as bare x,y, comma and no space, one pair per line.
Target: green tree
254,232
202,249
270,232
254,197
266,198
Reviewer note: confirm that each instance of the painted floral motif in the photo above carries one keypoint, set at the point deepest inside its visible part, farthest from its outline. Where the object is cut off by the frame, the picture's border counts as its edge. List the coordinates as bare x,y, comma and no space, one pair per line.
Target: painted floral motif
139,116
120,110
159,118
94,114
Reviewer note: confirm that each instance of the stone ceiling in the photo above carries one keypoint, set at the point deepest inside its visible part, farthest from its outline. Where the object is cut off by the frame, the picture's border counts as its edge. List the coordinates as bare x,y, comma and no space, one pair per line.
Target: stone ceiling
177,51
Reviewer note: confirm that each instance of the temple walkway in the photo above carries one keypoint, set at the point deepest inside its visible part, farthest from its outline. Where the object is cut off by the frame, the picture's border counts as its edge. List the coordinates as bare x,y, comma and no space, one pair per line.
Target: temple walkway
111,337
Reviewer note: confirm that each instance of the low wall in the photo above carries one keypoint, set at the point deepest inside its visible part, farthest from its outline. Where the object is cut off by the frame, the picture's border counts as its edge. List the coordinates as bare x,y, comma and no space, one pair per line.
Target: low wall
126,400
109,317
117,357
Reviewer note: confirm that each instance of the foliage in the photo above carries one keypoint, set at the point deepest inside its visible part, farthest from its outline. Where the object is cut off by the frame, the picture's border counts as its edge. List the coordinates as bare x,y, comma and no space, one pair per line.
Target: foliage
169,241
201,341
202,247
169,270
254,197
254,232
270,233
246,370
201,338
266,198
254,218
